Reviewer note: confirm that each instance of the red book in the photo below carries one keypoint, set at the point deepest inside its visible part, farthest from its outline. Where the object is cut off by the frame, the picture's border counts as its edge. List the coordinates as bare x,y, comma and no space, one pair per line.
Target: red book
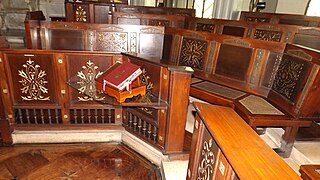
121,76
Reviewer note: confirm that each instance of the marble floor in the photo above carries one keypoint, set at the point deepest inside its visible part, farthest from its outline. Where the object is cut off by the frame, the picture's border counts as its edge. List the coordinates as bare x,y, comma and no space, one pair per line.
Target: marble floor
304,152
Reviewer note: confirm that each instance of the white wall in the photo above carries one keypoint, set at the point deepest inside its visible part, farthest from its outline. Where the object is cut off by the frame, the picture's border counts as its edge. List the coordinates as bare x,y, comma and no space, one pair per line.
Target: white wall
284,6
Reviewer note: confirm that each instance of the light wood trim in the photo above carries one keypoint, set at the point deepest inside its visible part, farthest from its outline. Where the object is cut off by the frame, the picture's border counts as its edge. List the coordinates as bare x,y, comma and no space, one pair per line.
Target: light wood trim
249,156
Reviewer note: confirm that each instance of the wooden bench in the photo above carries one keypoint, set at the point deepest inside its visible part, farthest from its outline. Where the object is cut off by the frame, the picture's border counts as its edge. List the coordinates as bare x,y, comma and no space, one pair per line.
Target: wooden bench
306,36
280,18
269,84
224,147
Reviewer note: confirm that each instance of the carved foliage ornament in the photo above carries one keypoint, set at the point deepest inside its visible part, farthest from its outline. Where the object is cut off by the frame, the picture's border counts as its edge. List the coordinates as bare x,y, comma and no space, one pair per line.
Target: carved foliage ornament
267,35
205,168
81,14
87,83
287,77
193,53
205,27
112,42
33,82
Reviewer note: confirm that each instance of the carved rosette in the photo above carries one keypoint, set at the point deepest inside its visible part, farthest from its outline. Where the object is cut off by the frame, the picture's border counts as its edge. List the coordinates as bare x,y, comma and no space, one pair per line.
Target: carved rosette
33,82
87,83
192,53
81,14
287,77
205,168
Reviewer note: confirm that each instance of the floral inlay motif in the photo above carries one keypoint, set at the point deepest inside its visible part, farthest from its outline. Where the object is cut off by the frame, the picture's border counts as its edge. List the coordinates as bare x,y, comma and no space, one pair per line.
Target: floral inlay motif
267,35
112,42
33,82
192,53
287,77
87,83
205,168
81,14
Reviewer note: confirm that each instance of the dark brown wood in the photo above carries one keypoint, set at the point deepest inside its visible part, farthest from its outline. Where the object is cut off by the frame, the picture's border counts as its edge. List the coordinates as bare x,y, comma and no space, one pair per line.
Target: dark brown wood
217,148
84,161
280,18
306,36
35,15
4,42
148,19
310,171
95,37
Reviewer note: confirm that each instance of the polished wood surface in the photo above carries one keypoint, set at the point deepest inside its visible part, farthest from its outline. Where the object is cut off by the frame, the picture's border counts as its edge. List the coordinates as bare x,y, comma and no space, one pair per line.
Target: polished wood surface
310,171
248,155
75,161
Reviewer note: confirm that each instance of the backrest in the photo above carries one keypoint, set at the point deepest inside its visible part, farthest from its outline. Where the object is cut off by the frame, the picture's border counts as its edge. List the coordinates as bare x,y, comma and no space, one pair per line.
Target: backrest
280,18
295,87
35,15
148,19
95,37
235,62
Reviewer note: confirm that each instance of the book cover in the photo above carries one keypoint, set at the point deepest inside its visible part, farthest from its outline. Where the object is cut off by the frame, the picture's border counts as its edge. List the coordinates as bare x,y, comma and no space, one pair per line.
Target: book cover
120,76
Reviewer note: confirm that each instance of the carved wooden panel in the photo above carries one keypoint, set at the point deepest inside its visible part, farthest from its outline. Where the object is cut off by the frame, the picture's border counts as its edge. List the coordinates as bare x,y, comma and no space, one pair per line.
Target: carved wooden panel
270,69
84,69
257,19
267,35
290,77
193,53
233,61
205,27
207,157
33,78
112,41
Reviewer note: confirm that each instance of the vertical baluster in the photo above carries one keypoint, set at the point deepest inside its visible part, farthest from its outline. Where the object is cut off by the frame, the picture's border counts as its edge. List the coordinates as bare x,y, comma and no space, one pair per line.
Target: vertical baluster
135,123
155,132
49,116
96,116
109,116
20,116
56,113
144,129
28,116
75,116
149,131
102,116
89,116
82,116
42,116
130,120
139,125
35,116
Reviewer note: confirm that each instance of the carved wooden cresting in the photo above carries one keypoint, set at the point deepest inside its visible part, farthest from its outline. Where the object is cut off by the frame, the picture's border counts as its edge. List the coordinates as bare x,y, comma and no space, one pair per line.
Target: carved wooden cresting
193,53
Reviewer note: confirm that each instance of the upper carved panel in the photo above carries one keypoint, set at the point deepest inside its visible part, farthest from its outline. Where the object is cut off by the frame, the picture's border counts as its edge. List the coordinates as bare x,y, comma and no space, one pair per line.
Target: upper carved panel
81,14
267,35
205,27
193,53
